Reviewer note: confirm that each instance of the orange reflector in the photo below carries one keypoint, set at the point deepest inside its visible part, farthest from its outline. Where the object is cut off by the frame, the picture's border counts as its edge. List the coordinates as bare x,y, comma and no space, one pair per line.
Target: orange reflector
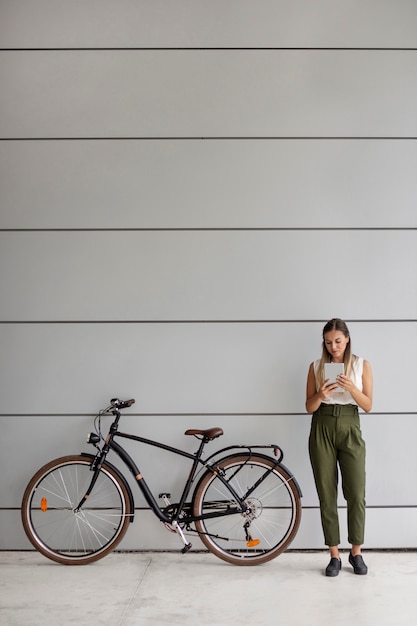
44,504
253,542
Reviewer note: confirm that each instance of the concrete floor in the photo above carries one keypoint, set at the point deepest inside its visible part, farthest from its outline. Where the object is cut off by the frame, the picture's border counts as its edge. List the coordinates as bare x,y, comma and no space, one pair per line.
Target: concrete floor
140,589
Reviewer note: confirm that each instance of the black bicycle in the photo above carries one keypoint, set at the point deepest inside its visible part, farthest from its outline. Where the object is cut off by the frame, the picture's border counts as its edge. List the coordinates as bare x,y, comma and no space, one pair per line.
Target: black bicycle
242,502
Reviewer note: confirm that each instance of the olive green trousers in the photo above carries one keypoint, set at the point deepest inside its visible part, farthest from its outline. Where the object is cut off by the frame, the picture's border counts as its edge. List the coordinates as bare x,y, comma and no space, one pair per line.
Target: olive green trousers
336,441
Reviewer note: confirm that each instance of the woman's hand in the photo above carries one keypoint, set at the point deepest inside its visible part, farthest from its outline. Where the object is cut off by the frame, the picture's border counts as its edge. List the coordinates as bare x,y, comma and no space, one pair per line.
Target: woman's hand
346,383
362,398
326,389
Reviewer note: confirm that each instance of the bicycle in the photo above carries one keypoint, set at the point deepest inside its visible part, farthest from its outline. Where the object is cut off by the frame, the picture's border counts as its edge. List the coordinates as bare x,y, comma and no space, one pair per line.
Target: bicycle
245,506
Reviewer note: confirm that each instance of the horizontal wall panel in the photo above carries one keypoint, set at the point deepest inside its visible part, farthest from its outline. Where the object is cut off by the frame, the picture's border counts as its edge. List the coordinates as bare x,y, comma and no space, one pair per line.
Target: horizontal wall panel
190,368
208,184
387,499
49,23
205,93
206,275
55,436
385,528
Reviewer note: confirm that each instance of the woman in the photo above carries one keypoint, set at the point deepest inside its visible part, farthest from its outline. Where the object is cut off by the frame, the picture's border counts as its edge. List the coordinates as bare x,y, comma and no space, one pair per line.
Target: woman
336,440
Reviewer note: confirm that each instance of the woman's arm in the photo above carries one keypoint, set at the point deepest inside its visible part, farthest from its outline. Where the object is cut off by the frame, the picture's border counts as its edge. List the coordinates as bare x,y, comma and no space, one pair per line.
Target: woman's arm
362,398
313,397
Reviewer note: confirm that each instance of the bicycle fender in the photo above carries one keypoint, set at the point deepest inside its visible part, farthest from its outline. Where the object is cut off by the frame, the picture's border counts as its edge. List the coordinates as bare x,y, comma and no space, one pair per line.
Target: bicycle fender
122,478
293,478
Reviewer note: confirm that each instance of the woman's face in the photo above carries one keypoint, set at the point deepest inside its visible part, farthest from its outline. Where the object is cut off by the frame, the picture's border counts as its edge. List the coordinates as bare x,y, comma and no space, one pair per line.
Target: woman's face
336,343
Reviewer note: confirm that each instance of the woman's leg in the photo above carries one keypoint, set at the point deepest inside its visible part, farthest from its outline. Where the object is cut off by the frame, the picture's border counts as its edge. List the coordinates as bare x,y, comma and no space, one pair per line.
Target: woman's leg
323,457
352,468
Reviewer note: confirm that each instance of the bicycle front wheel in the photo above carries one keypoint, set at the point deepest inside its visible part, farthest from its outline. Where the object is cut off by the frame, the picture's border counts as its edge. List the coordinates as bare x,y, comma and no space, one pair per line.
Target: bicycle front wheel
270,522
54,526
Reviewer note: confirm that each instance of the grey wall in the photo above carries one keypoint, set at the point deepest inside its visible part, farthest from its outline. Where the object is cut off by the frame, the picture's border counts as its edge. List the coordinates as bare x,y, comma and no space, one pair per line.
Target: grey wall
189,190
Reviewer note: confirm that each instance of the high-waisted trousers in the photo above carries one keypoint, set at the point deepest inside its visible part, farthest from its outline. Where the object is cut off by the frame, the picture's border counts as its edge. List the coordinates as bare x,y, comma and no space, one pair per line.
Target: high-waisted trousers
336,441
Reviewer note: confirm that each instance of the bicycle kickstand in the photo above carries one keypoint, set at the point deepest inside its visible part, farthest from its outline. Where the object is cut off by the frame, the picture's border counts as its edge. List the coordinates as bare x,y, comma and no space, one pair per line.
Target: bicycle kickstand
187,544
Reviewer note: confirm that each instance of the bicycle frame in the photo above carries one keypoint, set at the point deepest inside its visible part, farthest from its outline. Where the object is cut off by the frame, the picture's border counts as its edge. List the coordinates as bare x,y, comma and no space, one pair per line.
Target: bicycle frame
181,509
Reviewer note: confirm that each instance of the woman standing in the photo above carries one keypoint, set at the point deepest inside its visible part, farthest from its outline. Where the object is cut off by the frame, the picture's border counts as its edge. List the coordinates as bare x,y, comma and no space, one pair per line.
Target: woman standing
336,440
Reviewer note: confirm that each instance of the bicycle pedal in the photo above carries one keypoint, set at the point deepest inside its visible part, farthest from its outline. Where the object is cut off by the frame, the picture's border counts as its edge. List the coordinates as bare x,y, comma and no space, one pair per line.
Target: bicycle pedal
166,497
169,527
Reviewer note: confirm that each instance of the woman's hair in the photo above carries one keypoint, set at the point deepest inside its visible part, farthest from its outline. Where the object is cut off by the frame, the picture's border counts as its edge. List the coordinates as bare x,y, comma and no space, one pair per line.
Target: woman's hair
348,357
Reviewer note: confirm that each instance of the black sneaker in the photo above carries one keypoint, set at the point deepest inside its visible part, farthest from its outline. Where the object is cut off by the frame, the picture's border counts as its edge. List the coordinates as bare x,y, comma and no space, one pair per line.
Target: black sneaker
334,567
358,564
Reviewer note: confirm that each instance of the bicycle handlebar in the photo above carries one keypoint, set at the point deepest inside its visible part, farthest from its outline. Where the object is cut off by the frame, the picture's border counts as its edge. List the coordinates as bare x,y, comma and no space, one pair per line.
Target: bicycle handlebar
121,404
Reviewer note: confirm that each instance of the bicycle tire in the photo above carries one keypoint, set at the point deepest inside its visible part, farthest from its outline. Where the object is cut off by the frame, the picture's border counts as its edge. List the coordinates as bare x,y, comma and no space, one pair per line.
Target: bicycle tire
274,510
60,533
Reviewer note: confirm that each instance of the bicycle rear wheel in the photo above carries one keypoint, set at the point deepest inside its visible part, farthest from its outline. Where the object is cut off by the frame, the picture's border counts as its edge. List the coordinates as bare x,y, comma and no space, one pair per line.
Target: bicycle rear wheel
272,518
75,537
